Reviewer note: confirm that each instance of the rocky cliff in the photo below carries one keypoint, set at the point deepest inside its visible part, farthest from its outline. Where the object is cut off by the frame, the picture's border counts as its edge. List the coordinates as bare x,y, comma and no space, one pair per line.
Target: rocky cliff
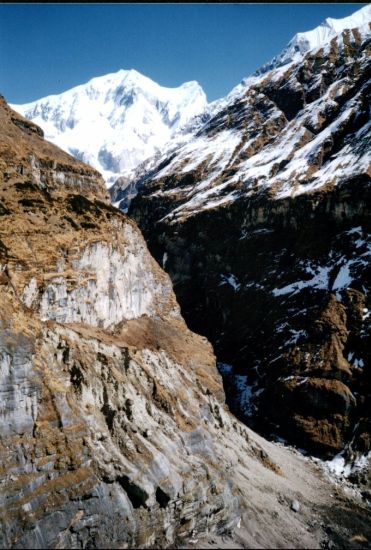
262,221
114,432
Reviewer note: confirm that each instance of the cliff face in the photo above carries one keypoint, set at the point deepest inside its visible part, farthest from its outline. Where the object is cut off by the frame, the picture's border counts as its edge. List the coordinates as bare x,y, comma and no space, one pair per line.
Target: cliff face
106,396
262,222
113,428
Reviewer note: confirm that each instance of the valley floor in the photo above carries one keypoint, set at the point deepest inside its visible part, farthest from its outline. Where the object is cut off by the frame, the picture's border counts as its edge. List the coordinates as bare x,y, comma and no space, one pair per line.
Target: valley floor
303,507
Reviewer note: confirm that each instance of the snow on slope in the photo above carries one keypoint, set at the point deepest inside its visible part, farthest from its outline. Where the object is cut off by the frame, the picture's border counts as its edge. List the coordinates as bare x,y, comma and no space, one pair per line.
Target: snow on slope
249,143
114,122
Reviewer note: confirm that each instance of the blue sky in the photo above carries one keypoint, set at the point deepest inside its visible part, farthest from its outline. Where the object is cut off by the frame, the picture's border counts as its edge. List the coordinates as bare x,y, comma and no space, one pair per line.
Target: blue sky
49,48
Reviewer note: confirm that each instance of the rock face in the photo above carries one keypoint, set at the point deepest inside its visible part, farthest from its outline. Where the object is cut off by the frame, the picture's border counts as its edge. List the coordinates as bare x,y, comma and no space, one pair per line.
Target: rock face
262,221
106,396
113,428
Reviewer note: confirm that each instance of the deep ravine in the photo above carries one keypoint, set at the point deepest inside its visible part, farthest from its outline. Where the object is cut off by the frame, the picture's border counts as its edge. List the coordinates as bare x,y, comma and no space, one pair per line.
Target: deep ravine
114,432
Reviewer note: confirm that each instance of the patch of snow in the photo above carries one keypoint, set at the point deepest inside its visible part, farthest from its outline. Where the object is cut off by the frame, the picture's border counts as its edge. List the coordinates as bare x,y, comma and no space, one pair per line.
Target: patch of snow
245,393
304,42
354,230
231,280
319,281
343,279
295,335
224,368
338,467
246,234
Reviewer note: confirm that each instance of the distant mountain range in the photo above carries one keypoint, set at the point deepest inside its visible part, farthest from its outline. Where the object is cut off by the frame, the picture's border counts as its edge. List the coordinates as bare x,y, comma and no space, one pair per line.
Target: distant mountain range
117,121
232,142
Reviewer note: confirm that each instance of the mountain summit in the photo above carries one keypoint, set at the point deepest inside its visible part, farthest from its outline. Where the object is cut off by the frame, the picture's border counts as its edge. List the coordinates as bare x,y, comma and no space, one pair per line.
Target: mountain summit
114,122
321,36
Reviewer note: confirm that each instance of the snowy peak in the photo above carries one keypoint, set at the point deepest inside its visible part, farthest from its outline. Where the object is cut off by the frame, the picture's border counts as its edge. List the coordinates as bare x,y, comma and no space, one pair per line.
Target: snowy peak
304,42
117,90
114,122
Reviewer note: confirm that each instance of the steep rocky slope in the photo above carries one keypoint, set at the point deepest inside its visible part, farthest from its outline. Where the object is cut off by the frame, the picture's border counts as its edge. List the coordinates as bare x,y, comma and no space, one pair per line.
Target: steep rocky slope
113,428
262,221
115,121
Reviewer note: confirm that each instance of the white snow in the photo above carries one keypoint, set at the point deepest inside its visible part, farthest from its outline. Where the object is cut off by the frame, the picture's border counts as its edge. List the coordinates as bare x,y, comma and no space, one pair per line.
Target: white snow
217,150
343,279
231,280
296,147
295,335
225,368
357,229
340,468
245,393
320,281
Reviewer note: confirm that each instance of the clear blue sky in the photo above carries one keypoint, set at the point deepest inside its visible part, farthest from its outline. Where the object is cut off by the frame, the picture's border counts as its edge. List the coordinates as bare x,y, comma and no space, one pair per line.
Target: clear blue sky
49,48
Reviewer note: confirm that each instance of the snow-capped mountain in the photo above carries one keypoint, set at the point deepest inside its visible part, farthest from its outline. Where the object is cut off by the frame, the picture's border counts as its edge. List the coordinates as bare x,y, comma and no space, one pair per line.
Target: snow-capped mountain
114,122
201,143
262,220
304,42
270,131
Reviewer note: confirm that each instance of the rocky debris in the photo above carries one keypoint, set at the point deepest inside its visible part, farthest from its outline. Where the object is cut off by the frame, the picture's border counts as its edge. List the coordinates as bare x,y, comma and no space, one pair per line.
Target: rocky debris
262,221
295,506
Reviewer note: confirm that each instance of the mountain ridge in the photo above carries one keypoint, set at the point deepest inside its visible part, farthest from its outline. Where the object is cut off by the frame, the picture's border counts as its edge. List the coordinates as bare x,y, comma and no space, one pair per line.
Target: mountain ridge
262,222
318,37
295,98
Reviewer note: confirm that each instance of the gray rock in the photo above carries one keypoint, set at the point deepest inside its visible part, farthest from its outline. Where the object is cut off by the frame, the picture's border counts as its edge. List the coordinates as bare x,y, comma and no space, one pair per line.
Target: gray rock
295,506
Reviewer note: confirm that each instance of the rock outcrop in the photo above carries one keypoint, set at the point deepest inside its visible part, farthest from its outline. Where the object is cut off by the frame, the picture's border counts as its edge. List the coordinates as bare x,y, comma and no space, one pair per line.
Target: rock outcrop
262,221
113,428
